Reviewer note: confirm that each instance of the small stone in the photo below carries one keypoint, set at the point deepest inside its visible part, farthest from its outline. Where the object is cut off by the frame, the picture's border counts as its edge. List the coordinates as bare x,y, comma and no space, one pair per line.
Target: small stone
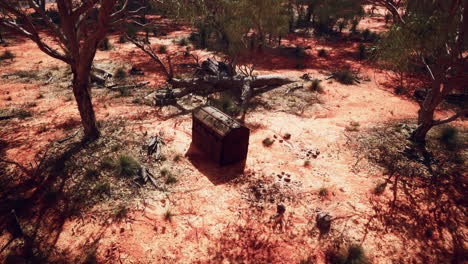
280,141
287,179
122,230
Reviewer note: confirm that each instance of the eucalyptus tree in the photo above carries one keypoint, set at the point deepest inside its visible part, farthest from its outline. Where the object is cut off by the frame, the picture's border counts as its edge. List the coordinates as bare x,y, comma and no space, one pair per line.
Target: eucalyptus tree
84,24
432,34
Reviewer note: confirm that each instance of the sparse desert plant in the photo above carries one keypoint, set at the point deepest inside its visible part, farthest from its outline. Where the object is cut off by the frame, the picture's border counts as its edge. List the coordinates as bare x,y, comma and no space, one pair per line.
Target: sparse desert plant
127,166
323,192
306,163
40,96
315,86
91,173
120,73
177,158
400,90
107,163
268,142
379,188
162,49
124,91
105,44
23,113
103,188
122,39
344,76
183,42
168,216
353,254
171,179
7,55
322,53
164,172
42,129
26,74
121,211
449,135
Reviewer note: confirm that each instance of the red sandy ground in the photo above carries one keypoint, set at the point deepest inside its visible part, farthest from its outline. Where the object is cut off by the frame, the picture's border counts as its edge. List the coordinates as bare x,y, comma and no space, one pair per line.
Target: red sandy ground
205,214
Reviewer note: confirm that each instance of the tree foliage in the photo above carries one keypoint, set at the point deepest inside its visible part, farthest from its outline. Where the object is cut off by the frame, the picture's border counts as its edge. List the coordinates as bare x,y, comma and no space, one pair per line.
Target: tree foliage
431,35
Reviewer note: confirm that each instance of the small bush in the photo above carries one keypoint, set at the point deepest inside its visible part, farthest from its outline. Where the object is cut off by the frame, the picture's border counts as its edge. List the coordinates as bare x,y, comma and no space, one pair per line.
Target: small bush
168,216
162,49
127,166
322,53
91,173
344,76
7,55
120,73
103,188
132,30
306,163
121,211
323,192
107,163
268,142
122,39
316,86
380,188
183,42
449,136
400,90
105,44
354,254
124,91
23,113
171,179
177,158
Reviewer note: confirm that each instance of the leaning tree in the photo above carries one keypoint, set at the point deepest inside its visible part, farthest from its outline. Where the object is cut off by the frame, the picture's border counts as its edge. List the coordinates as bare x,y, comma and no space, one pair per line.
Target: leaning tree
84,24
433,35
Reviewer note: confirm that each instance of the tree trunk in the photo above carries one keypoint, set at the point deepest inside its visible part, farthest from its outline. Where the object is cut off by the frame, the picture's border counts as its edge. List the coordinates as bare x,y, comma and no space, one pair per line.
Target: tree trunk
425,123
85,107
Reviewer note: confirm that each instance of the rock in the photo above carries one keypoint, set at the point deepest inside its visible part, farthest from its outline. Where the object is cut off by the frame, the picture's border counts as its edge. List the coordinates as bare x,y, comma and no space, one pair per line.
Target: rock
280,209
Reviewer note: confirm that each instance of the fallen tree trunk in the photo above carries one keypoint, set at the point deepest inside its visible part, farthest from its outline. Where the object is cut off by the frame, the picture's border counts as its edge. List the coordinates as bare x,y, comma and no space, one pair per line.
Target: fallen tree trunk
127,86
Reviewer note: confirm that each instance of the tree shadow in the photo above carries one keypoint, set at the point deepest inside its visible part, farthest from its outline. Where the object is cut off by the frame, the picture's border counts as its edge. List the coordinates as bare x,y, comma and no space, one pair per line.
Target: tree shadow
35,203
428,198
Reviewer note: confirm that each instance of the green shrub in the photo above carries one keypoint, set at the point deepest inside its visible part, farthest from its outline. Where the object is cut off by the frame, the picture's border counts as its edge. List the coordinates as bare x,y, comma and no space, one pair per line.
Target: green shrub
23,113
107,163
344,76
91,173
323,192
105,44
7,55
380,188
122,39
120,73
164,172
177,158
322,53
354,254
127,166
103,188
268,142
449,136
162,49
171,179
168,216
124,91
121,211
400,90
316,86
183,42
